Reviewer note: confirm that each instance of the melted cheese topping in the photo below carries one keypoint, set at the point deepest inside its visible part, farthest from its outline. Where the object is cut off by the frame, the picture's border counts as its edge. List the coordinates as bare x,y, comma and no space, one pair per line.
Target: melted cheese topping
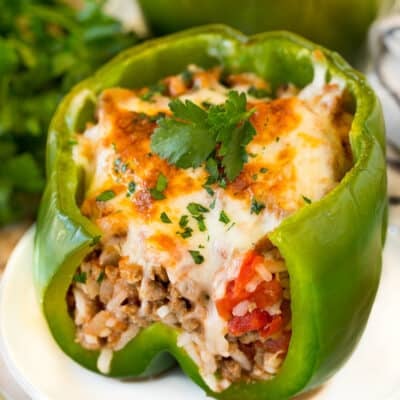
299,152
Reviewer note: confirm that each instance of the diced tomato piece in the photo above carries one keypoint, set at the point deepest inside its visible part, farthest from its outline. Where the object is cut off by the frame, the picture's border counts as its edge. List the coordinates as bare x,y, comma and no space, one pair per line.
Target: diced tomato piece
267,293
273,327
247,272
226,304
252,321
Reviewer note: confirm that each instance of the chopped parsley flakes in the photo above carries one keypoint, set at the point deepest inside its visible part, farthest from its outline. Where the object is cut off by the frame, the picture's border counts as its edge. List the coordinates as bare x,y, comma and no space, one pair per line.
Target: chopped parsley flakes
197,256
183,221
186,233
223,217
200,222
106,195
161,185
196,208
164,218
307,200
256,206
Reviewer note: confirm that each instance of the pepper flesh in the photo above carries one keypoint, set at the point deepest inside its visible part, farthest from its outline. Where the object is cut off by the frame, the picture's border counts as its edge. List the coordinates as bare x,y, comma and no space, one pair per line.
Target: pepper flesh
334,272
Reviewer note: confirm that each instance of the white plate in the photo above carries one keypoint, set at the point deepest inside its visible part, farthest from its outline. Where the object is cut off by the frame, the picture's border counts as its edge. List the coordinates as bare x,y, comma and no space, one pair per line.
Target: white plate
44,372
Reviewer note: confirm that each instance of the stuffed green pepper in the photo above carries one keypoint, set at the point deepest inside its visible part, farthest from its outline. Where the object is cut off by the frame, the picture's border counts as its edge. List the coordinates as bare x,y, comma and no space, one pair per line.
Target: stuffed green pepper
217,200
338,24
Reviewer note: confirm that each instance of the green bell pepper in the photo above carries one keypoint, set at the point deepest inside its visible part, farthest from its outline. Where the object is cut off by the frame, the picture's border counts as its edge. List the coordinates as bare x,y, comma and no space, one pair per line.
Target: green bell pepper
332,247
338,24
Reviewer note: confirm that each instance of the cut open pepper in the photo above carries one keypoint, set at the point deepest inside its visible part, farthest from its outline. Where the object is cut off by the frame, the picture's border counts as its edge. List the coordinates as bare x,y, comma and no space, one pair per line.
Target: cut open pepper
332,248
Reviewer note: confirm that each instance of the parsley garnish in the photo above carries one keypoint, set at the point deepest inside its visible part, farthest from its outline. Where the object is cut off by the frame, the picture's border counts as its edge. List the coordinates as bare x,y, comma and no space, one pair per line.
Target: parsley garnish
193,136
258,93
307,200
183,221
200,222
131,188
212,205
263,170
209,189
161,185
187,232
164,218
196,208
80,277
224,218
101,277
256,206
197,257
106,195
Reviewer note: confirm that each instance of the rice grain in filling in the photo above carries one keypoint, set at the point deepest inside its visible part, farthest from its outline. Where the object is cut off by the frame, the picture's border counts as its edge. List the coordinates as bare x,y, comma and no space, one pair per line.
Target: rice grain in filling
193,255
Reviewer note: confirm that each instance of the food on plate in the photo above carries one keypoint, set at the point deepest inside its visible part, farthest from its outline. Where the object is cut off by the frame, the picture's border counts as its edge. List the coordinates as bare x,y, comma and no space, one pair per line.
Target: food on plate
220,199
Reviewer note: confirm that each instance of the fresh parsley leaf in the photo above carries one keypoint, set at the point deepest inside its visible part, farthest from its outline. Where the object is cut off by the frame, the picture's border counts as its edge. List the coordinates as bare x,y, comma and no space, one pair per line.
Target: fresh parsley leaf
157,195
46,47
307,200
196,208
187,232
106,195
192,135
164,218
197,256
162,182
223,217
183,221
200,222
212,205
212,169
161,185
235,149
80,277
256,206
209,189
184,139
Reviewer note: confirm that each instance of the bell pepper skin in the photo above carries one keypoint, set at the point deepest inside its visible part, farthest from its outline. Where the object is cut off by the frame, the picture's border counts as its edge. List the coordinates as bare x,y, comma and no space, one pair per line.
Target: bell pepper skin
338,24
332,247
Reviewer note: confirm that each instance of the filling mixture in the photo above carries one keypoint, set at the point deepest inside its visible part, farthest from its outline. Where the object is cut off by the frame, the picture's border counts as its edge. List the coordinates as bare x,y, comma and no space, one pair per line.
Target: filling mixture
185,179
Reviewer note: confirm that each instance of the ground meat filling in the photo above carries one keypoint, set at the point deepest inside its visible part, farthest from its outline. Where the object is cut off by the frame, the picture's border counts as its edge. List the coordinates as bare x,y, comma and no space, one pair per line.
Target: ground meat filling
110,300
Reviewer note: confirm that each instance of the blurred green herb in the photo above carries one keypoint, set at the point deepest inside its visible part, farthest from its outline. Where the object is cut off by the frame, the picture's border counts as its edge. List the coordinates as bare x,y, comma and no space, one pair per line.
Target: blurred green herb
45,48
